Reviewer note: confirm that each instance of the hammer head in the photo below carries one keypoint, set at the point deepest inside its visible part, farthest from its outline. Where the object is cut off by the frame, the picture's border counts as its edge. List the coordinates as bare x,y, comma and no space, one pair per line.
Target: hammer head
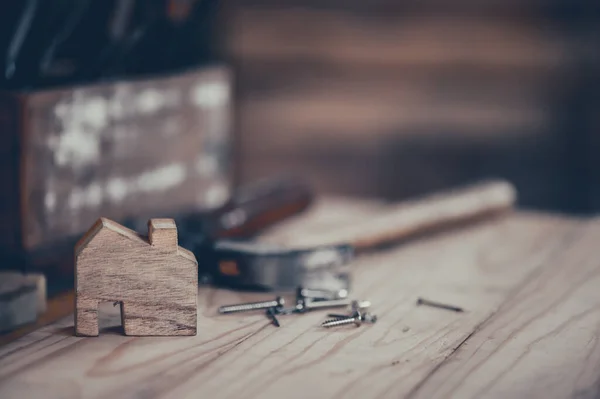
253,265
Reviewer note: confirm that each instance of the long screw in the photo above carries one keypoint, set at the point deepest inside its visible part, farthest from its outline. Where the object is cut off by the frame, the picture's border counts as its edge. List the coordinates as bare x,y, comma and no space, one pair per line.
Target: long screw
306,304
244,307
303,305
426,302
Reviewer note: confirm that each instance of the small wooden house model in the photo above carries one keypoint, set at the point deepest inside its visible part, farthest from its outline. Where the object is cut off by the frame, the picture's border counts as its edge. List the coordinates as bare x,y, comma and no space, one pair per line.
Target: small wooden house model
153,279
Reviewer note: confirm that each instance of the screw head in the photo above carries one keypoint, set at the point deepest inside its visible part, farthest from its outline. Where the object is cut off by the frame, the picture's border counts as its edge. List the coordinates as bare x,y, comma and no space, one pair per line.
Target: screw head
299,293
358,318
280,302
358,305
301,304
301,300
369,318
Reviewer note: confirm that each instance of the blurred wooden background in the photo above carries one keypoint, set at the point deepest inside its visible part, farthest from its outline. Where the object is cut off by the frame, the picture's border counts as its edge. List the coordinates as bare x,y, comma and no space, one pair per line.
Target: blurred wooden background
392,99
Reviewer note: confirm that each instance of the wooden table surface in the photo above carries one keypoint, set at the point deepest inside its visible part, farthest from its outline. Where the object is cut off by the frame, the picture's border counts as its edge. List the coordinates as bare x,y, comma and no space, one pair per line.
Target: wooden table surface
530,285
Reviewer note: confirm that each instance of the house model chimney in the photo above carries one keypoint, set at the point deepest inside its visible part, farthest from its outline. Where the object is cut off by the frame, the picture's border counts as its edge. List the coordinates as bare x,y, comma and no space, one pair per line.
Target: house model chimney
162,233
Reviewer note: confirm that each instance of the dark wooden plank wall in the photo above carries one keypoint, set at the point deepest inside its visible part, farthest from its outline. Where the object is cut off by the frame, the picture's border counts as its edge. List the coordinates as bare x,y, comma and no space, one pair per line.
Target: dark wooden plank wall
397,98
123,150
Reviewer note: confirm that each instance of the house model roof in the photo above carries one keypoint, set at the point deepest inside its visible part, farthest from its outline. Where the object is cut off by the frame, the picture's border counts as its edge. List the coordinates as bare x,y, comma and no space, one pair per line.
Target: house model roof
104,223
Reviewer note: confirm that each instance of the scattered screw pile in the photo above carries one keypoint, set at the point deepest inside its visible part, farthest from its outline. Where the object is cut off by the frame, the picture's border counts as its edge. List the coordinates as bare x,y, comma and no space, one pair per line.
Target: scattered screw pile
308,300
312,299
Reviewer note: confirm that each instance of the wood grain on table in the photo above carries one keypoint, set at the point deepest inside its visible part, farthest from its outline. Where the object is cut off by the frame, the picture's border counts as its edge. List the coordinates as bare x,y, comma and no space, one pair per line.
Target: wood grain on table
528,282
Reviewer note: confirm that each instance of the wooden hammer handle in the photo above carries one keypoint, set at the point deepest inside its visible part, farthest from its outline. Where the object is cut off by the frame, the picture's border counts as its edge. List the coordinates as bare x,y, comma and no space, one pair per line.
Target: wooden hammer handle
415,217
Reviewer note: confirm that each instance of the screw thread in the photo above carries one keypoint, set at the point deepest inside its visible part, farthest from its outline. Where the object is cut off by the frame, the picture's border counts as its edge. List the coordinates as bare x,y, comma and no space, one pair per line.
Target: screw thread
339,322
248,306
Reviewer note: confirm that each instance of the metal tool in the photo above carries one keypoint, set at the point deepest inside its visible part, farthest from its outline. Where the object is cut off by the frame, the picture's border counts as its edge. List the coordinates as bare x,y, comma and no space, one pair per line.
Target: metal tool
252,208
267,267
433,304
321,261
277,303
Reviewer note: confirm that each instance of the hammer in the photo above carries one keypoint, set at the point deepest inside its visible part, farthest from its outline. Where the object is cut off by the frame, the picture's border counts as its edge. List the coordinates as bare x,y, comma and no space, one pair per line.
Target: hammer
321,259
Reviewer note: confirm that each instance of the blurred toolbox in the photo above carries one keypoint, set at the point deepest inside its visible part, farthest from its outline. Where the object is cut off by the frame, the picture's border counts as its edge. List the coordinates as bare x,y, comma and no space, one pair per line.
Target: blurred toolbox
121,149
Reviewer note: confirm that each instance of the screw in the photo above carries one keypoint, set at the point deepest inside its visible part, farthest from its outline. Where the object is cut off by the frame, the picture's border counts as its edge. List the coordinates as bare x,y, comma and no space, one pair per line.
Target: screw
356,319
332,303
358,305
305,301
243,307
306,304
369,318
302,292
271,314
426,302
355,305
366,317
